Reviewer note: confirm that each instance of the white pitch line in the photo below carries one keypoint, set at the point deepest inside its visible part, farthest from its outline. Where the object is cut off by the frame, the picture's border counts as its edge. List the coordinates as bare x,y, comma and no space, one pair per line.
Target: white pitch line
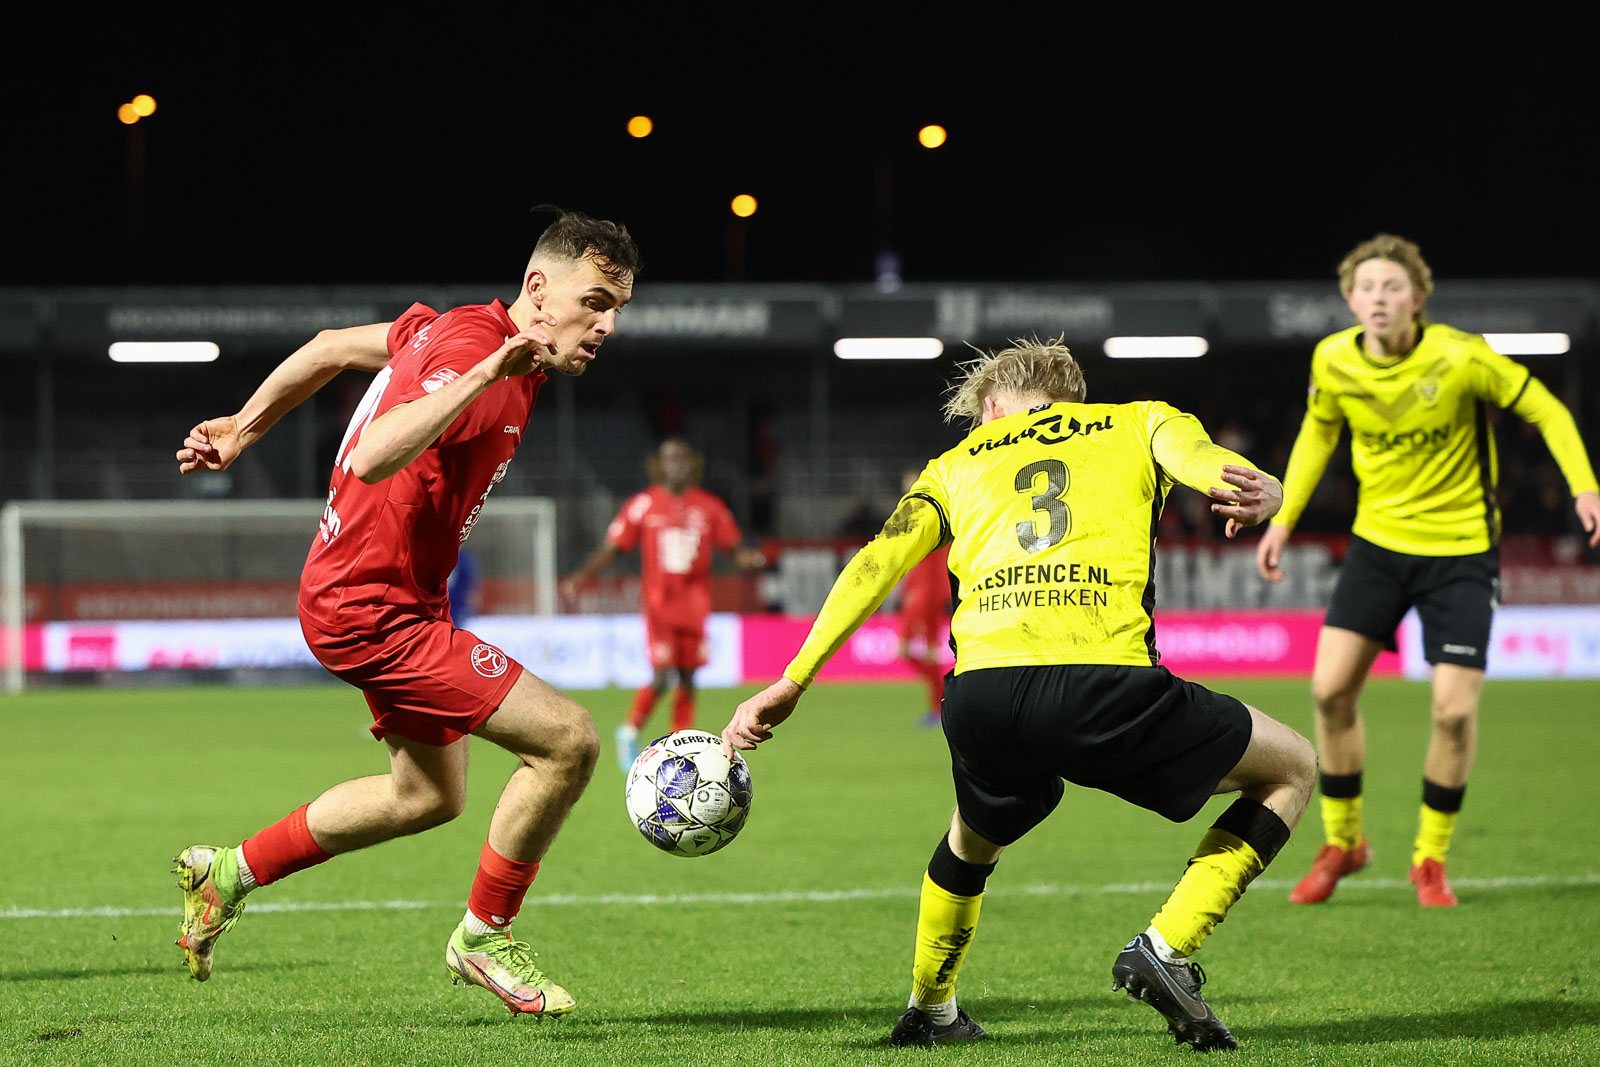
816,896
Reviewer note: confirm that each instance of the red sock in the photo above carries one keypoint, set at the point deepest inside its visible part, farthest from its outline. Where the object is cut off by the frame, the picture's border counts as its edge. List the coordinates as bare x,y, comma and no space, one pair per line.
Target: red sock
499,887
644,702
683,710
283,848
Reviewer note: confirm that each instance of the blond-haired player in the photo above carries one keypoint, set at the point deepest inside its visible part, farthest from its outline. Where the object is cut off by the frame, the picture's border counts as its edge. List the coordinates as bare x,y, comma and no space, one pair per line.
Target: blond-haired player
1415,395
1049,507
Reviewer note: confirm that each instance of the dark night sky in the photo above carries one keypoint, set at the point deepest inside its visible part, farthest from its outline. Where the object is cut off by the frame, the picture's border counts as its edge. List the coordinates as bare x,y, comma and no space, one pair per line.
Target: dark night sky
400,153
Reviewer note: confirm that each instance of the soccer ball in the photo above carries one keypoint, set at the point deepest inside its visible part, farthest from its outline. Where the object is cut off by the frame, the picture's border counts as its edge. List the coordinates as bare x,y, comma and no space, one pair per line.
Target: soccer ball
684,796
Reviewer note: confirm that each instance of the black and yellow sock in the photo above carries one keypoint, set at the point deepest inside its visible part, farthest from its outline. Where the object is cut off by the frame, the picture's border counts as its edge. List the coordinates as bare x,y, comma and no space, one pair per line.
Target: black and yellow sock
1238,847
952,895
1440,806
1341,809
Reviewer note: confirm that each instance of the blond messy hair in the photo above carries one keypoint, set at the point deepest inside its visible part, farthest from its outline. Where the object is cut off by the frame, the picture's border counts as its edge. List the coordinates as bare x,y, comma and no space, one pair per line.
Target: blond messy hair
1395,250
1027,368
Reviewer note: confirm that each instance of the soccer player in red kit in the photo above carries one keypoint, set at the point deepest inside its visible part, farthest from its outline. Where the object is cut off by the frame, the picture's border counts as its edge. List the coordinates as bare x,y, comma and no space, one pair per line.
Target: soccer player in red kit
924,614
675,525
425,449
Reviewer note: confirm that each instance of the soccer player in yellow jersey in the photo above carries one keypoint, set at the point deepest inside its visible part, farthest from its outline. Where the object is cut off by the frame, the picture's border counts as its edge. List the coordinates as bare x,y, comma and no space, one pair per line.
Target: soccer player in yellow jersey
1049,507
1414,395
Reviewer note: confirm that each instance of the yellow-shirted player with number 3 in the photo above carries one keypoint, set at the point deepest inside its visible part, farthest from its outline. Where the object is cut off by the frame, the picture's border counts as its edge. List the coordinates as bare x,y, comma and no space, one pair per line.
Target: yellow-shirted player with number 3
1415,396
1049,507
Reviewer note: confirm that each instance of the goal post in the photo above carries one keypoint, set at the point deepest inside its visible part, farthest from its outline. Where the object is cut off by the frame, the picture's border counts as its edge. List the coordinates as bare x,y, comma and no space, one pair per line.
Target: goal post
81,581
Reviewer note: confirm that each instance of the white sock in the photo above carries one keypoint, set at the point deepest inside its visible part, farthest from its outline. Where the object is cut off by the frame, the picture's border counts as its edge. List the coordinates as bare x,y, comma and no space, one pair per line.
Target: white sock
630,732
479,928
1163,949
247,877
942,1014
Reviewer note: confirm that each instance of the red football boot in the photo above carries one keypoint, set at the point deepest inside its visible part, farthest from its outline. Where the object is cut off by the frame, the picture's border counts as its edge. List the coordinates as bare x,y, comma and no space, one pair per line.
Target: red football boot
1331,864
1433,888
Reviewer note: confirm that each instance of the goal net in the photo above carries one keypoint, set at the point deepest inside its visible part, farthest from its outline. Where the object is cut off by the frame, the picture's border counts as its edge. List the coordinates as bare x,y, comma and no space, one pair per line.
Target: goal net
121,586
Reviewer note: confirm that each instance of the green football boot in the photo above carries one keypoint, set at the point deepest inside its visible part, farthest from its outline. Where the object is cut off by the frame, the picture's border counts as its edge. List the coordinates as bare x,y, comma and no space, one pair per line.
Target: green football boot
505,968
213,899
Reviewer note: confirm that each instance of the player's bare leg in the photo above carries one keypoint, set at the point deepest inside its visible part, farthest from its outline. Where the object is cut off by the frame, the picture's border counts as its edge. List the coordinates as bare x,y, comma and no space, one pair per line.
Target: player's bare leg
683,700
555,740
425,786
644,704
1274,778
1344,659
1452,747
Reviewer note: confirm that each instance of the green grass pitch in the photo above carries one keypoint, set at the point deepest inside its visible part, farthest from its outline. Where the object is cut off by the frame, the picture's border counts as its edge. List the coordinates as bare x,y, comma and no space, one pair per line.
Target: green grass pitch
793,945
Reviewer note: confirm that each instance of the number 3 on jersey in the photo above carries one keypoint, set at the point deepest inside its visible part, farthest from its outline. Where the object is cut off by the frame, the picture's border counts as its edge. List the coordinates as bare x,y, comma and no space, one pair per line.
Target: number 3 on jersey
1029,535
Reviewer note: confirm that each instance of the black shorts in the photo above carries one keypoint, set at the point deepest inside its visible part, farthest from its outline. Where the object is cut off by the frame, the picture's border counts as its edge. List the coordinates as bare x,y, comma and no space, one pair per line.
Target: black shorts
1455,596
1139,733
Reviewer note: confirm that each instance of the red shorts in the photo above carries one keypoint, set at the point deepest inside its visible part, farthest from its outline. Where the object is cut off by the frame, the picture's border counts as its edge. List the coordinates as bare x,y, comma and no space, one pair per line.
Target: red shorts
424,679
673,645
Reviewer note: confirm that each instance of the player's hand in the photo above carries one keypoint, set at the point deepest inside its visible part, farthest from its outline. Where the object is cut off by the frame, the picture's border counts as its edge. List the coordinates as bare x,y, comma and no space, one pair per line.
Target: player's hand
567,590
1256,498
524,352
750,559
754,720
212,446
1269,551
1587,506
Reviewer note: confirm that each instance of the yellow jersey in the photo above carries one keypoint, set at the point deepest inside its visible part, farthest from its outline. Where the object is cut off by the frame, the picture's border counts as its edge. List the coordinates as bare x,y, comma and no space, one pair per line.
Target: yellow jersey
1050,516
1421,445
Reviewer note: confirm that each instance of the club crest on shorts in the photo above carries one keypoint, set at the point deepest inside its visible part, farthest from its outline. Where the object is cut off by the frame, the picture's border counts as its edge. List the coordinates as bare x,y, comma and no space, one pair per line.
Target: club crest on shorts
489,661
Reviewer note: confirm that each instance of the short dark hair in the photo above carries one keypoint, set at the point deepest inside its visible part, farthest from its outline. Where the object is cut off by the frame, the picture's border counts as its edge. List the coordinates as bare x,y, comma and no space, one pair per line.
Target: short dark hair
574,235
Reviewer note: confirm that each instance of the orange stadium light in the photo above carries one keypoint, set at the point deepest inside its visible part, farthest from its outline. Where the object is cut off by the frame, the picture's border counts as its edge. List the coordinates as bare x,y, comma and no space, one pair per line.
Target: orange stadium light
144,105
744,205
127,115
640,126
932,136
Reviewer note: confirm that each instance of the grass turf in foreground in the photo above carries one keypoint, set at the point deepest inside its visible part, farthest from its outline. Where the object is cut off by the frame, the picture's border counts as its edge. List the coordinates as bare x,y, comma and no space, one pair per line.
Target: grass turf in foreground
760,959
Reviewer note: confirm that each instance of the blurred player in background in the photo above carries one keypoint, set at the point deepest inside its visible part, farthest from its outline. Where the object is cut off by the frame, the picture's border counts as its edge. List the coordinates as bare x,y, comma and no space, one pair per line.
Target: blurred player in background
1414,394
676,525
1049,507
428,443
924,613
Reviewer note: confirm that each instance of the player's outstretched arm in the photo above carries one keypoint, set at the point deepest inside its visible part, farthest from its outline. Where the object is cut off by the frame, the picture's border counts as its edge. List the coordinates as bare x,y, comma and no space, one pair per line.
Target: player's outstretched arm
215,443
1540,408
598,561
1587,505
1269,550
914,530
747,558
754,719
1182,447
401,434
1255,498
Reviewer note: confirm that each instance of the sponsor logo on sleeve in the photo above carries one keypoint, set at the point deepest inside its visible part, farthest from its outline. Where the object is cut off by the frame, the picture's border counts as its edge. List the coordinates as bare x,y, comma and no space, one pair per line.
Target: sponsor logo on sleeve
438,380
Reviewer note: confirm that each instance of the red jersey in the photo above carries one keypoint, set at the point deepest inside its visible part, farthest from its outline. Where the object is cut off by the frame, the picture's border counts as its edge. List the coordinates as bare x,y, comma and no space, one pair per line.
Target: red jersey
387,550
676,533
926,589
